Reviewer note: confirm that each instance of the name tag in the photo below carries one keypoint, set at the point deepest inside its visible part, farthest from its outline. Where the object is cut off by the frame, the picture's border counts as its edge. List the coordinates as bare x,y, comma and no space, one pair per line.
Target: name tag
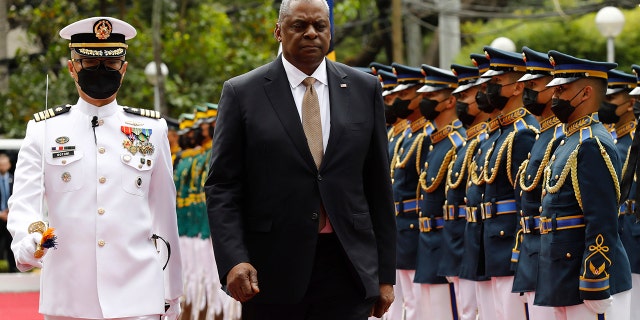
62,154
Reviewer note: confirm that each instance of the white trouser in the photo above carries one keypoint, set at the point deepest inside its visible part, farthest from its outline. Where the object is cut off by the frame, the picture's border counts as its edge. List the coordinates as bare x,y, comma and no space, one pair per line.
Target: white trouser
466,298
635,296
509,305
486,301
538,312
152,317
435,301
619,310
410,294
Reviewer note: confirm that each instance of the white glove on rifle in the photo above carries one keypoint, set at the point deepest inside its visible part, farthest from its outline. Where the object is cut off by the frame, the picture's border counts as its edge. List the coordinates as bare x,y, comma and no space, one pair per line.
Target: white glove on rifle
598,306
174,310
26,250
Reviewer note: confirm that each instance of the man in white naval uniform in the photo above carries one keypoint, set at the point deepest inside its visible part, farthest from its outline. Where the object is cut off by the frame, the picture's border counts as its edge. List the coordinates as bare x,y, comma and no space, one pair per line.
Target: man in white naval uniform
106,175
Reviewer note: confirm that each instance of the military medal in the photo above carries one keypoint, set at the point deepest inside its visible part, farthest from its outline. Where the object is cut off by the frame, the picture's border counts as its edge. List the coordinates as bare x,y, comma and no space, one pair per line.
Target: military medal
137,140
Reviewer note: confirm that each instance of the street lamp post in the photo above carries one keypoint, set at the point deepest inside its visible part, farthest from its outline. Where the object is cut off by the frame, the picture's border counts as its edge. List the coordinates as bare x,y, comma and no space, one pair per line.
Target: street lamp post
150,71
503,43
610,21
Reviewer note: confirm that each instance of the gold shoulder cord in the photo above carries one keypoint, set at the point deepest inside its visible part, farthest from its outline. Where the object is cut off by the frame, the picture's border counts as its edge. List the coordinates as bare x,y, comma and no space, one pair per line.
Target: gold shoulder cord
572,165
419,151
394,158
466,162
441,173
626,161
543,163
491,175
414,145
510,140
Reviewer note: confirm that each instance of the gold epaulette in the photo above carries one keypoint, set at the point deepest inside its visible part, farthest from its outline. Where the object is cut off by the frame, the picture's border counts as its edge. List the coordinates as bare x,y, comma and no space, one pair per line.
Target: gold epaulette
51,112
143,112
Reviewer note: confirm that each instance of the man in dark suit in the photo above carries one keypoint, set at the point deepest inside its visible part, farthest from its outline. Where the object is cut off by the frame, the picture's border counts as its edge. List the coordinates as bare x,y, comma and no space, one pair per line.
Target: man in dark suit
6,185
302,219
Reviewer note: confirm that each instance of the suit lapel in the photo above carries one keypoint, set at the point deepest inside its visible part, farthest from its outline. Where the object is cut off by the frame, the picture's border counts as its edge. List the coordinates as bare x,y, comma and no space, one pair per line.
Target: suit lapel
339,99
278,91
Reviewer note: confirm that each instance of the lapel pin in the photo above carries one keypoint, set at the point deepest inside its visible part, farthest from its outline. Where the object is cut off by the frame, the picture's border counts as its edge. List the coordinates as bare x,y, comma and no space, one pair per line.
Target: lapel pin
343,85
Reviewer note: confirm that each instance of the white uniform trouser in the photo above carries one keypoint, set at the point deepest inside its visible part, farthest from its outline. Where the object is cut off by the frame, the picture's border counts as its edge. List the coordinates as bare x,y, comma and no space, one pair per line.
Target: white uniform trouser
486,301
538,312
635,296
152,317
410,294
466,298
397,306
509,305
435,301
619,310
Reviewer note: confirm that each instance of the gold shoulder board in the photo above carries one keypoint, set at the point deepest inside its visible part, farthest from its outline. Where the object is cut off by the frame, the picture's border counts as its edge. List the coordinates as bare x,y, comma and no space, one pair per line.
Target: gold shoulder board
51,112
143,112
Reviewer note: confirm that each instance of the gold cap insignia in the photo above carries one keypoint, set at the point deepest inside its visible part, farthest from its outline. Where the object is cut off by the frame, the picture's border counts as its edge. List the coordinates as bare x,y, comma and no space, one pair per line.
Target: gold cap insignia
102,29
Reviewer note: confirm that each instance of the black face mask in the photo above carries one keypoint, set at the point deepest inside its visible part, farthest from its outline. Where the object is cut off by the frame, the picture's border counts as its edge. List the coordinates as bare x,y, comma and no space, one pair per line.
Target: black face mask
401,108
100,83
462,110
607,112
495,99
428,108
563,108
530,101
389,116
483,102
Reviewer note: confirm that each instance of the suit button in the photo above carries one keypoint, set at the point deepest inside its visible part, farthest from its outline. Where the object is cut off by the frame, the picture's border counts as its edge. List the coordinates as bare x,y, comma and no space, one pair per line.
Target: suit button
314,216
102,179
319,177
101,150
411,226
568,255
501,233
101,211
101,243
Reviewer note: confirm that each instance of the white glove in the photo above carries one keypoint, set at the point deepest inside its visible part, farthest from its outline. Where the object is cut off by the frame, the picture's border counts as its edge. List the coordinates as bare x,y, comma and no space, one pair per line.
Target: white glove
598,306
26,249
174,310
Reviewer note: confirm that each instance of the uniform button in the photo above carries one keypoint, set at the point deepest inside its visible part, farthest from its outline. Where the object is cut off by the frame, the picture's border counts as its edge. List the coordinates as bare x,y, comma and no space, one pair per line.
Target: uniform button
529,155
568,255
553,157
540,209
393,180
101,150
457,174
101,243
544,193
537,136
556,177
465,199
410,135
431,148
314,216
561,142
401,150
521,193
529,177
101,211
102,180
411,226
501,233
64,161
319,177
479,152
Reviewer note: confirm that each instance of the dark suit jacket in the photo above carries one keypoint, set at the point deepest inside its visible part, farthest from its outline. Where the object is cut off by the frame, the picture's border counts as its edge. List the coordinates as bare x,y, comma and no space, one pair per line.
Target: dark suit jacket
264,191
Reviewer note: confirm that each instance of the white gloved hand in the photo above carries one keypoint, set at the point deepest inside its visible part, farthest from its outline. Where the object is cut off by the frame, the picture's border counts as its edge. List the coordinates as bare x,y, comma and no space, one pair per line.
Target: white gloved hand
26,249
598,306
174,310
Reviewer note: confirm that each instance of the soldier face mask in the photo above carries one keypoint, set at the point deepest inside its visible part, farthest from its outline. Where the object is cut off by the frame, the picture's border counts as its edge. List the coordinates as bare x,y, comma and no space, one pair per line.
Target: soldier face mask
100,83
563,108
401,108
495,97
607,112
462,110
389,116
483,102
428,108
530,101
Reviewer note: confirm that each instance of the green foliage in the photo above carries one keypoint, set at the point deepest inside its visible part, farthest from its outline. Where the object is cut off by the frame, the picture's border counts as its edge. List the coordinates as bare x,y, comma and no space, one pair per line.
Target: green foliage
577,36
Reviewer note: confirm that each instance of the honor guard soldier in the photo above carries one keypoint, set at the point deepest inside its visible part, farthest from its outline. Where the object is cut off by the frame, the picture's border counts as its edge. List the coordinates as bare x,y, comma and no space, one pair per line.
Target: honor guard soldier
581,255
536,98
636,91
501,199
455,210
105,173
438,149
471,264
618,109
405,182
388,81
173,127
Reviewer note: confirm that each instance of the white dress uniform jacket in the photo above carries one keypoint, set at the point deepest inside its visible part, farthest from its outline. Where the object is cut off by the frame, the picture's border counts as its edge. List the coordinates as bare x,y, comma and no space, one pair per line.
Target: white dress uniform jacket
105,203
